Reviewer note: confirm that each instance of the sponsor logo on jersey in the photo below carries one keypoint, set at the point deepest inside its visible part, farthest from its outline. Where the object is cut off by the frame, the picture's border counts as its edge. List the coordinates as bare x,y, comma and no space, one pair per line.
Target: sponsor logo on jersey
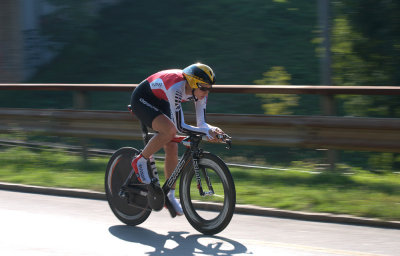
157,84
148,104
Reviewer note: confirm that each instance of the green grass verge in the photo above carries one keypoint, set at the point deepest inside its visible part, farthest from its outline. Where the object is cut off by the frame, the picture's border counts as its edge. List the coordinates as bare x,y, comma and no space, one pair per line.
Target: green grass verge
360,194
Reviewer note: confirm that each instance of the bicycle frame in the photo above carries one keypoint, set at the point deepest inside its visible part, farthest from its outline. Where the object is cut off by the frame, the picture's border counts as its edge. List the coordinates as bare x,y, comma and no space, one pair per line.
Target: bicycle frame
132,201
191,155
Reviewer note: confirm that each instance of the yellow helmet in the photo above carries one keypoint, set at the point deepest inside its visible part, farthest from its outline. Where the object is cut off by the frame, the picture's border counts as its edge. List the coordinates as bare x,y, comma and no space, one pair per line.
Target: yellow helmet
199,76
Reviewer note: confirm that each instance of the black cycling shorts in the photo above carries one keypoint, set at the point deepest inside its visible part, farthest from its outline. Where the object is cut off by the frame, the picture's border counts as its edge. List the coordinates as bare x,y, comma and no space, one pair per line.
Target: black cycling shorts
146,106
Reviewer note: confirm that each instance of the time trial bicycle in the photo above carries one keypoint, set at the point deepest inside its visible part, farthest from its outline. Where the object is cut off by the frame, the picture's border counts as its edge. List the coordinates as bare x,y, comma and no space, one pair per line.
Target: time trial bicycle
206,188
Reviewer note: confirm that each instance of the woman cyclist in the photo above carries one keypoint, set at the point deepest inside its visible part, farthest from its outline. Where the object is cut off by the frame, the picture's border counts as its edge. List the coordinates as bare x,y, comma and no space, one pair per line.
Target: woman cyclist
157,103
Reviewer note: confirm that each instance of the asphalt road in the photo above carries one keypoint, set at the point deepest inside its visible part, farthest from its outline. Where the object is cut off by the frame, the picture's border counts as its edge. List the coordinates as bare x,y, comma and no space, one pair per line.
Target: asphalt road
33,224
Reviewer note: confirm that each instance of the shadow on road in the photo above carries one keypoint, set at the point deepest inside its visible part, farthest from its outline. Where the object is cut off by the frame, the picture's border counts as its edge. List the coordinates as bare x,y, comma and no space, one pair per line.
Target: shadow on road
176,243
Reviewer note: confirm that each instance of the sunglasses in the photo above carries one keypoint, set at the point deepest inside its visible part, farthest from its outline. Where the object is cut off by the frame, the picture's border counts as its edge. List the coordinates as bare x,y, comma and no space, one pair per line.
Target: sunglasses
204,87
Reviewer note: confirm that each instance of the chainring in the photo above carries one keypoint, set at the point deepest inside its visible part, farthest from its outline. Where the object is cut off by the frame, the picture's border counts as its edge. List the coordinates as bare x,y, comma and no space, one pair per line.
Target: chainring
155,197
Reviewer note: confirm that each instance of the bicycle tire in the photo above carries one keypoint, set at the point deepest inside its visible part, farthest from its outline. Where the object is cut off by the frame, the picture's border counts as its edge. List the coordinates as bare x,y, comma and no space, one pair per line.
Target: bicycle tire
118,169
193,204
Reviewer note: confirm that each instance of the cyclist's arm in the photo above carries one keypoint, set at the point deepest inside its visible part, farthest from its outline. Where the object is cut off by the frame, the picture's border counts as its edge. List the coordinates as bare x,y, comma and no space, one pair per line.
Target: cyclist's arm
174,95
200,106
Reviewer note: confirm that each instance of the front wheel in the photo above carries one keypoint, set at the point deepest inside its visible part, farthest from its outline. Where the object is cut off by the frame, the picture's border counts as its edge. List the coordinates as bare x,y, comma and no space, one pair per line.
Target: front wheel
118,169
211,211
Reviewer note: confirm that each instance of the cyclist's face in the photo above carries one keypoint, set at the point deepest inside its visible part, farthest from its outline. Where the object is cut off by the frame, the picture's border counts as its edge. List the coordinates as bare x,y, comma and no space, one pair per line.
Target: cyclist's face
200,94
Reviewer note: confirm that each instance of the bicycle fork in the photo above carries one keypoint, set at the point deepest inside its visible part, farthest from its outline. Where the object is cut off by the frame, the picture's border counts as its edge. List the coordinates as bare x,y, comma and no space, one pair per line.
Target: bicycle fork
197,171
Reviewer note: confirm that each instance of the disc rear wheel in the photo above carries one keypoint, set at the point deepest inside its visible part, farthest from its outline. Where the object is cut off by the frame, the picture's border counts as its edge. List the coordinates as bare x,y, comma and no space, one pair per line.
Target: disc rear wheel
118,169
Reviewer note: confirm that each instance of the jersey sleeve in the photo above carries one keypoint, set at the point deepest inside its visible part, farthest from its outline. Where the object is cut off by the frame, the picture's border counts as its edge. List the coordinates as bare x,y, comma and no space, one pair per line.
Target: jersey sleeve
200,107
174,95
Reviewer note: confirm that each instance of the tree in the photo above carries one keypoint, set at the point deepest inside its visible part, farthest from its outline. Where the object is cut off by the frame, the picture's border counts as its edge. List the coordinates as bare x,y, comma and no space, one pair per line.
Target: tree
366,51
277,104
378,23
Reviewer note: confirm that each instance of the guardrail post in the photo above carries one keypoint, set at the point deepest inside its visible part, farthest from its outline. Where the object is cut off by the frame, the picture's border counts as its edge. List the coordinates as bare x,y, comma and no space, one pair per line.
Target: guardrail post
329,109
81,102
328,105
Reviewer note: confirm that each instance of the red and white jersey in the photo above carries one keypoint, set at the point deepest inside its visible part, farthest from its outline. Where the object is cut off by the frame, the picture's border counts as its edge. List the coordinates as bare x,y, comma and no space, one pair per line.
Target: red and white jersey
169,85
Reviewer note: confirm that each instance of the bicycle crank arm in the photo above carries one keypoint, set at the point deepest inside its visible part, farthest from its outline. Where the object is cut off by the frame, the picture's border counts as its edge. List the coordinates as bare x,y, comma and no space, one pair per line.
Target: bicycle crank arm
137,190
130,192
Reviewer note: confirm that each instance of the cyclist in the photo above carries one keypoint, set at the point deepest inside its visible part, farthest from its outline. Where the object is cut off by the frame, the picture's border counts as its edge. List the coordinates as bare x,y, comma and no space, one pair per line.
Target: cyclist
157,103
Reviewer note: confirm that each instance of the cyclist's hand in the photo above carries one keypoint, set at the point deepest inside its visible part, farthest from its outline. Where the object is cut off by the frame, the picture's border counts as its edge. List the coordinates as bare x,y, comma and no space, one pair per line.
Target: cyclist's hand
214,133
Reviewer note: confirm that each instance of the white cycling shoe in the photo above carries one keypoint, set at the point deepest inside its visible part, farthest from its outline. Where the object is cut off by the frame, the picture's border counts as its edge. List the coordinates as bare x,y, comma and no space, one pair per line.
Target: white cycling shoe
175,202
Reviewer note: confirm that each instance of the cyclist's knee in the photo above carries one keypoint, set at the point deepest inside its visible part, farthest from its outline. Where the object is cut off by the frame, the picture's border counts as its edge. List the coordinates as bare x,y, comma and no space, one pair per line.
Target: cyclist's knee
169,132
171,148
164,127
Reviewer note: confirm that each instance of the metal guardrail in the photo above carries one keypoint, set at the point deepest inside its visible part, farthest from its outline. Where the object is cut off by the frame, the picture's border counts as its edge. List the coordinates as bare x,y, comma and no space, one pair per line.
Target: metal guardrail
350,133
372,134
272,89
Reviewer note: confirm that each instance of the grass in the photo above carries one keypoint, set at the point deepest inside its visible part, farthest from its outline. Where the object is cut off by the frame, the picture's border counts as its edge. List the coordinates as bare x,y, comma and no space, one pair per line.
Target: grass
360,194
46,168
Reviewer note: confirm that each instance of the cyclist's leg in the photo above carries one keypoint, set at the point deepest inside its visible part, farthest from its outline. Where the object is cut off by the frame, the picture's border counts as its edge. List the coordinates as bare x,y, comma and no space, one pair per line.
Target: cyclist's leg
171,159
153,113
165,133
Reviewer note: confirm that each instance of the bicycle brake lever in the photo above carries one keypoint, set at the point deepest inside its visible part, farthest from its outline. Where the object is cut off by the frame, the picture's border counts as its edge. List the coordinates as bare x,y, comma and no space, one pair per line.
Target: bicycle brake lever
225,138
229,143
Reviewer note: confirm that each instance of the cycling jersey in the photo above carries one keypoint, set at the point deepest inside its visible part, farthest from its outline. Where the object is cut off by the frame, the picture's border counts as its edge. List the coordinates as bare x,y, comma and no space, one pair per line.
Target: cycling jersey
150,99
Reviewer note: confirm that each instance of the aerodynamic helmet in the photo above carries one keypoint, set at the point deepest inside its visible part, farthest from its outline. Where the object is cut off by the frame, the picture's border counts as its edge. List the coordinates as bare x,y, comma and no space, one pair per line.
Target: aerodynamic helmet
199,75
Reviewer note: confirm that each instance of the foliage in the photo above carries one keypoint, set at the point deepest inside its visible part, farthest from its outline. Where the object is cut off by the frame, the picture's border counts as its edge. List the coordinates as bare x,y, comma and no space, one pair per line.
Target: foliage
69,20
277,104
378,23
365,47
125,44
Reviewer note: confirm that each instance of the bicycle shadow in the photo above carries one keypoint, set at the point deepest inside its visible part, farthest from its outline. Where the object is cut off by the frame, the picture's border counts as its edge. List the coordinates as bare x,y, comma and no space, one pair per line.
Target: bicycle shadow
209,245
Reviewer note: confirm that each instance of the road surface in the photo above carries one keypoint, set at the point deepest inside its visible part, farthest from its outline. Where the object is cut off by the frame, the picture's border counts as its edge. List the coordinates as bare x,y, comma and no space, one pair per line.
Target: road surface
33,224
